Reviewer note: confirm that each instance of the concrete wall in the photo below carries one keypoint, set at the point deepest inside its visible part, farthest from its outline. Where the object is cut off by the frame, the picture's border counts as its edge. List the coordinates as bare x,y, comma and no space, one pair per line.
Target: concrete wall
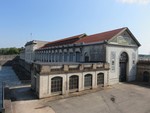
25,65
22,69
8,60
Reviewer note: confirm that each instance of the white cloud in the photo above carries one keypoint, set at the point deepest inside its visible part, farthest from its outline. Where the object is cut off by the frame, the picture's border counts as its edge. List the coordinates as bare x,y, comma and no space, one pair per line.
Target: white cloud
135,1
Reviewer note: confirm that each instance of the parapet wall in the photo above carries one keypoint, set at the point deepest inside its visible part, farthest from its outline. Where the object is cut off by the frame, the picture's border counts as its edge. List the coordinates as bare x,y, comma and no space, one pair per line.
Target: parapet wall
43,69
74,77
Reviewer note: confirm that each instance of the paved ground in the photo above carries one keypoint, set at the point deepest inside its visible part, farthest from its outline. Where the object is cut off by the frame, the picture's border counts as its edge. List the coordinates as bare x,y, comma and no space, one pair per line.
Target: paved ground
8,76
31,106
120,98
24,101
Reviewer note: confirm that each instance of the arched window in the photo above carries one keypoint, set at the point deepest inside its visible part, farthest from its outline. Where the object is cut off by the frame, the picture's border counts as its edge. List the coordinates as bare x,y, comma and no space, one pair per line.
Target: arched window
78,54
73,82
49,57
56,57
60,57
71,57
52,57
42,56
100,79
45,56
56,84
88,80
86,57
65,57
146,76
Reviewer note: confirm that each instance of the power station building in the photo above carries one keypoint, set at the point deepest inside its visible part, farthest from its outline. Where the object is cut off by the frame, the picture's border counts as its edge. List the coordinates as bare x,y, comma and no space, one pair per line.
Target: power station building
84,62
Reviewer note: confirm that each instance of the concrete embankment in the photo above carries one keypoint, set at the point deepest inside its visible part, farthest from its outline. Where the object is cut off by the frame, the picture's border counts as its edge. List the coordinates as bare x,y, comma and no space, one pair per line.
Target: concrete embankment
8,60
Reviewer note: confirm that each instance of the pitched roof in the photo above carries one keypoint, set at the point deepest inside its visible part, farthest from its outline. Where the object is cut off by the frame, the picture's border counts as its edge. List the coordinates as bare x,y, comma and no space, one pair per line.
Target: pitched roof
64,41
83,38
100,36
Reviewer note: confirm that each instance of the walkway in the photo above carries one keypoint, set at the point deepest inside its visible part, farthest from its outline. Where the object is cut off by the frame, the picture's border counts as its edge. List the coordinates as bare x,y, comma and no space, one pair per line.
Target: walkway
8,76
120,98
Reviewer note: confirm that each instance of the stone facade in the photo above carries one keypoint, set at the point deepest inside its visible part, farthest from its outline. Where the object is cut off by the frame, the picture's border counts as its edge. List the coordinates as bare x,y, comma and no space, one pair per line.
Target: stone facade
131,64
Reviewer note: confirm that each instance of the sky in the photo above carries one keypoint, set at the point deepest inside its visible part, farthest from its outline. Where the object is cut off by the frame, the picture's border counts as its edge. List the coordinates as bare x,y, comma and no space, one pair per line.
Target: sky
49,20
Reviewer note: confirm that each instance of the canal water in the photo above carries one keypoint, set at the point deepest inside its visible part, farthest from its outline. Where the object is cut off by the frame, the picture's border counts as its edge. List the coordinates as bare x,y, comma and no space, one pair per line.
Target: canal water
8,76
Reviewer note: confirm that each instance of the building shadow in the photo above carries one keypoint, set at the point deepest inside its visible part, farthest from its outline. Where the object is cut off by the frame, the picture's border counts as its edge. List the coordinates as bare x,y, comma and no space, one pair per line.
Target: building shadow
141,84
22,93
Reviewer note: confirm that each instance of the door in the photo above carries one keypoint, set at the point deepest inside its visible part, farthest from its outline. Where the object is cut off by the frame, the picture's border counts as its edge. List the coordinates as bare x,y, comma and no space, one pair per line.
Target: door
123,67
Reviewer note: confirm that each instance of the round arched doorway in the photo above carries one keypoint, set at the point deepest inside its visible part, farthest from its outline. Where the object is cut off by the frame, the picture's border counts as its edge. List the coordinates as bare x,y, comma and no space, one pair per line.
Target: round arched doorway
123,67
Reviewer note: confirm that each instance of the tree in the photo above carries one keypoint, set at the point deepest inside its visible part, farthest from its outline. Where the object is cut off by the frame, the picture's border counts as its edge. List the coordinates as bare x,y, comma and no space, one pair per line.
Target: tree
10,51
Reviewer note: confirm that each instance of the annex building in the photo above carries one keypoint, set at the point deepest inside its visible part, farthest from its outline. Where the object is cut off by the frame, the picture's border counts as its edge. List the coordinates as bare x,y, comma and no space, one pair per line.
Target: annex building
83,62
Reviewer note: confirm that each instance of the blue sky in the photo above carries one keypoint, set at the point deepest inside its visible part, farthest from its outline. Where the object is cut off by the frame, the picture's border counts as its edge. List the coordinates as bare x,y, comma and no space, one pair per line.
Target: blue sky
54,19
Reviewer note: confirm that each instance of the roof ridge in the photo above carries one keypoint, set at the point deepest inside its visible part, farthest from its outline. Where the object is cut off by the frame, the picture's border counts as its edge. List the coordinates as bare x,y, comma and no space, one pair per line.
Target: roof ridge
110,31
98,37
64,39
